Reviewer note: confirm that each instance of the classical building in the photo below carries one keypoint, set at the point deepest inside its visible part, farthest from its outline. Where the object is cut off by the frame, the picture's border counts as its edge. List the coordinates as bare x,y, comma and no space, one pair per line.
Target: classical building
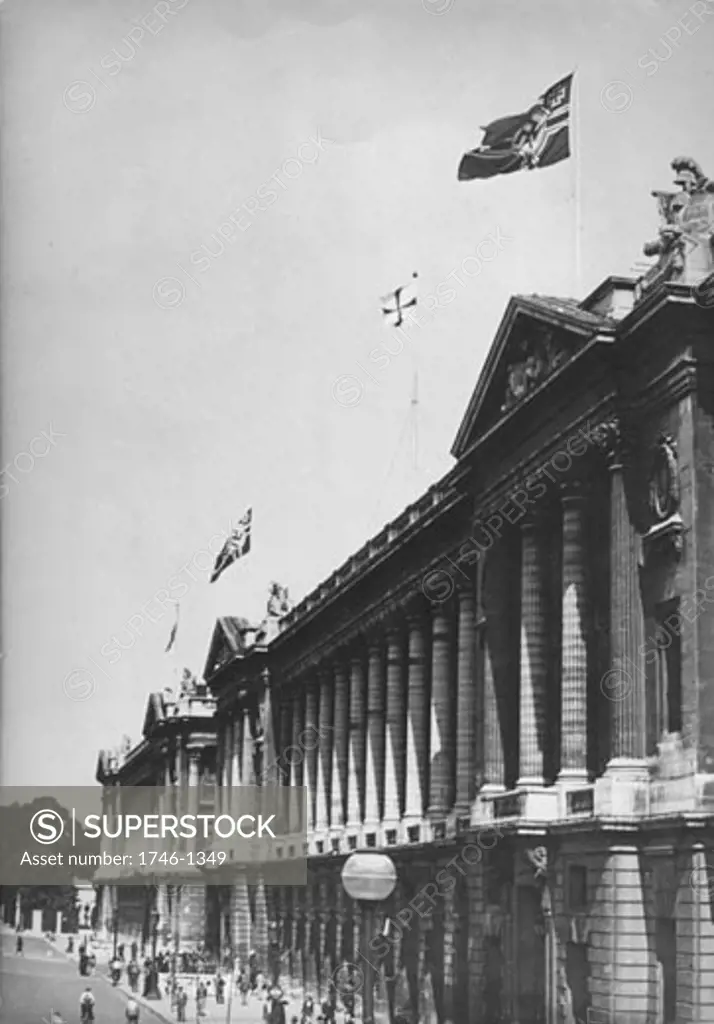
510,689
177,749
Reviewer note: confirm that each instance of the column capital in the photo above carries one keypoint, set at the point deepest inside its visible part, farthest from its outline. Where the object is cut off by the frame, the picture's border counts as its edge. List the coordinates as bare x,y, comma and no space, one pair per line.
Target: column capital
534,519
610,439
574,489
441,619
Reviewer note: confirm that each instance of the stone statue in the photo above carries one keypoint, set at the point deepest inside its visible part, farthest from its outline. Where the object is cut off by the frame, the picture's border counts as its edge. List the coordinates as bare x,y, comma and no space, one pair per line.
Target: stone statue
685,245
126,745
538,856
279,601
188,684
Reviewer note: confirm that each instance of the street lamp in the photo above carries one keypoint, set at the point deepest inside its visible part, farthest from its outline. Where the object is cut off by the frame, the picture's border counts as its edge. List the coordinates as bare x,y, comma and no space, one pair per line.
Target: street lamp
369,878
115,930
152,982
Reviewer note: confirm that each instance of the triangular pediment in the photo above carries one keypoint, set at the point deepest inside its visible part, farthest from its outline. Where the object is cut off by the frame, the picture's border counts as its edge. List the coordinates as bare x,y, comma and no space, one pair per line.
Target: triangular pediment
536,338
227,643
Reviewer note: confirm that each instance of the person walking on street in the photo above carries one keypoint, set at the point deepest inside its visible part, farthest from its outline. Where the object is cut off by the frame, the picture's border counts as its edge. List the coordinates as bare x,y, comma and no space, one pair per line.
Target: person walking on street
19,945
181,1001
132,1012
220,990
86,1005
244,985
133,972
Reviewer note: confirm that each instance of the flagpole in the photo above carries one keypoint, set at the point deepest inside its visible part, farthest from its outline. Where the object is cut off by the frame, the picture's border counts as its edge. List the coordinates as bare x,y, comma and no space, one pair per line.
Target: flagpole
577,184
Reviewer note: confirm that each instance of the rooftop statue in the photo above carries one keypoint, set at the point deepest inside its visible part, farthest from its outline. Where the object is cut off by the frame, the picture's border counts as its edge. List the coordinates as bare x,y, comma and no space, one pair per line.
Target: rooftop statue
279,601
684,247
189,684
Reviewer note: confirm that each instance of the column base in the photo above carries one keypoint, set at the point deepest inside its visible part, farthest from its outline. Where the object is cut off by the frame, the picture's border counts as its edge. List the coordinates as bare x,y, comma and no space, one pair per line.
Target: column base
482,809
572,778
531,782
623,790
388,834
413,829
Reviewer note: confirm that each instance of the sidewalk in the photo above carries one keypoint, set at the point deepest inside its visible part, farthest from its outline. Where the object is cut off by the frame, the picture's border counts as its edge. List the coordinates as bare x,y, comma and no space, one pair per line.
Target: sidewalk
214,1013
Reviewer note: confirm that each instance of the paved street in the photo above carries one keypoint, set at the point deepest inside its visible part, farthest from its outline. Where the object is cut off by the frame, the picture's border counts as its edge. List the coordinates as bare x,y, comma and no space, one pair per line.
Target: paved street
44,980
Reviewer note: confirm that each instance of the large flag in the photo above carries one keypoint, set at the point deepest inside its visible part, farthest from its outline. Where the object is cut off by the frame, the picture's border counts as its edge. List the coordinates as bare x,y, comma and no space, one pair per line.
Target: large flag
174,631
537,138
403,298
236,545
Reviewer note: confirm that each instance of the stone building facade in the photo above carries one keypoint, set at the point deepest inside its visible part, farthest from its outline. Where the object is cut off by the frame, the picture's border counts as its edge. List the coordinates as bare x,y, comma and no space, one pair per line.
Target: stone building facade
177,749
510,689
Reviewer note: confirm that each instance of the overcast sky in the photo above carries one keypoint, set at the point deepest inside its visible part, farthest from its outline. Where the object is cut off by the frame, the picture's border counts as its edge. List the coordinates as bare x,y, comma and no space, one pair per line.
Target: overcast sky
175,388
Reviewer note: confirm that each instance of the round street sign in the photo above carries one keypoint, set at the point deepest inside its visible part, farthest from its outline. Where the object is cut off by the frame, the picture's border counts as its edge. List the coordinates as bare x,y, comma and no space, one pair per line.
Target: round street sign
369,876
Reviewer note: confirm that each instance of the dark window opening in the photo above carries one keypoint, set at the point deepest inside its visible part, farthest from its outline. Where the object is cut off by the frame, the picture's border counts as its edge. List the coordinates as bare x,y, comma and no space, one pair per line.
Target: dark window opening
577,887
668,667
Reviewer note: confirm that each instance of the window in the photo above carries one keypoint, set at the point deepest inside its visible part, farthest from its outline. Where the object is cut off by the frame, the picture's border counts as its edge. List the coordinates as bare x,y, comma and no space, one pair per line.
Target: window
577,888
668,667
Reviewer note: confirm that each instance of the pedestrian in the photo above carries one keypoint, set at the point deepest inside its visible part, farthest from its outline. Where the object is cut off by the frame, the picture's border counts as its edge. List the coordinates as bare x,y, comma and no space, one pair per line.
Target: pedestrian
276,1003
133,973
19,945
181,1001
115,968
244,985
134,951
220,989
132,1011
308,1008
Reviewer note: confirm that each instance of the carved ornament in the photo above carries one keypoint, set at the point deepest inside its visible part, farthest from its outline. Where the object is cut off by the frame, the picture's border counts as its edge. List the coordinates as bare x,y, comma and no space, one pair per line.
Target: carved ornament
684,247
535,359
664,479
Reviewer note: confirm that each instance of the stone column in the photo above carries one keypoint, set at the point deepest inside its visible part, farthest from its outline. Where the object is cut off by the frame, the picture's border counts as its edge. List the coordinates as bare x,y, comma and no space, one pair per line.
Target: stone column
247,772
624,685
241,937
340,749
324,767
221,755
574,652
358,742
417,766
286,725
374,782
466,692
311,742
534,653
242,743
296,756
194,782
441,785
395,743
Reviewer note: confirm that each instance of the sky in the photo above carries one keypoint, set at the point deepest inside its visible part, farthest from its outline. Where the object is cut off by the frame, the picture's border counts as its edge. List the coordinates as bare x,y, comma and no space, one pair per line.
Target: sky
159,377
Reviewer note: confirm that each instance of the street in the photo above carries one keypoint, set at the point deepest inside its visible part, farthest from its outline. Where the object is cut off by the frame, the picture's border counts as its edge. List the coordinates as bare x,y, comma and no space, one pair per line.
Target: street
44,981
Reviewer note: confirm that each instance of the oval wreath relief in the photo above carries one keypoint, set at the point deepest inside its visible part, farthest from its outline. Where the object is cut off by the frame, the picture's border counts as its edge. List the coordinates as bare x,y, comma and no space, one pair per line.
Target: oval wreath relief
664,480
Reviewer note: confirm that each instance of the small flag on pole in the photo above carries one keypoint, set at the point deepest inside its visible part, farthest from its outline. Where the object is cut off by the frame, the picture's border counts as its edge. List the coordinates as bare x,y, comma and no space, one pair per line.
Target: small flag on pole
539,137
401,302
174,631
237,545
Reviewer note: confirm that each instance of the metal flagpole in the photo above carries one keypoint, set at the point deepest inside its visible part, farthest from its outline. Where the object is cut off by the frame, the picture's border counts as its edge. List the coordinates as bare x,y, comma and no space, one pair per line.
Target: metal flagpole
576,142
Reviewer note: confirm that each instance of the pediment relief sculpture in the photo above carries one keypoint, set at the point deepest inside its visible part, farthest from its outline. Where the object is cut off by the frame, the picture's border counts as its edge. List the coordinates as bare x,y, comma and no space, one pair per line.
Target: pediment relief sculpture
534,359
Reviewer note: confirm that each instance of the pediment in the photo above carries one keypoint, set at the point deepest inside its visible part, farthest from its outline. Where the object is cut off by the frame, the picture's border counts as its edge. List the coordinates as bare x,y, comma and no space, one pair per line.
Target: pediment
536,338
227,643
